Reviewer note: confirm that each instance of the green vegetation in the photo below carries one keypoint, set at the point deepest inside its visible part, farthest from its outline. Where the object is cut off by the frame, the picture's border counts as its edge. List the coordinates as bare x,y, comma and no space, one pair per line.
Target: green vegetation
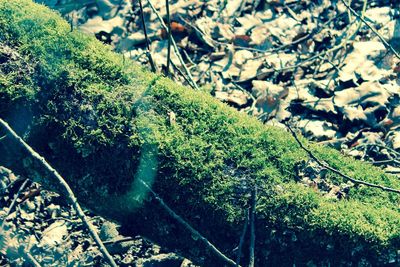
102,121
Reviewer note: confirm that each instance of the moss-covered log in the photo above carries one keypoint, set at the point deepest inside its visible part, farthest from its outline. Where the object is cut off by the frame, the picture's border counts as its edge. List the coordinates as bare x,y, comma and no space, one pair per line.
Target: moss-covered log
103,122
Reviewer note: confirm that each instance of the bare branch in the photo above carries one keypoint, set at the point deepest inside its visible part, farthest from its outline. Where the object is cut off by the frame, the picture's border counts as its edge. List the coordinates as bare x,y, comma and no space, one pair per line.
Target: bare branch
14,202
32,260
388,46
326,166
387,161
169,37
63,183
116,241
176,49
193,231
252,226
242,236
153,66
393,172
180,72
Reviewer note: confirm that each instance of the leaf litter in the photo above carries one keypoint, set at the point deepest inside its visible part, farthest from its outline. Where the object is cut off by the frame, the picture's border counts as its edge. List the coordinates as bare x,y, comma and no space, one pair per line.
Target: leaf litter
46,227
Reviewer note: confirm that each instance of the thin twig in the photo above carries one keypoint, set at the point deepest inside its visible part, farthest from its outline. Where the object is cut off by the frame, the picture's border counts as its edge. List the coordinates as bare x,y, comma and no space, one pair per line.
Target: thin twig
264,53
341,45
301,39
169,37
256,3
181,73
312,58
332,141
116,241
71,22
118,9
66,187
291,13
176,49
193,231
187,57
242,236
239,11
387,161
12,183
22,187
372,29
32,260
153,66
348,12
326,166
252,226
392,171
253,104
330,62
380,146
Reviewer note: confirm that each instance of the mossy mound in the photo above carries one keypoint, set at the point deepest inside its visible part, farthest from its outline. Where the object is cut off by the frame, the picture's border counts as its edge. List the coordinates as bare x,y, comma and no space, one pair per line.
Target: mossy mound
102,121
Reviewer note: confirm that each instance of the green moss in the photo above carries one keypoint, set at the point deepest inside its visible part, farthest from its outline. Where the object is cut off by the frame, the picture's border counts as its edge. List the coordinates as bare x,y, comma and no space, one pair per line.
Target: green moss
101,121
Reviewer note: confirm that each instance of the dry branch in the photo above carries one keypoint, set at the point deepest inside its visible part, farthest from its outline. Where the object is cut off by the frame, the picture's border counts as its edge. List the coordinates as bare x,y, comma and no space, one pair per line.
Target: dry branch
70,195
326,166
372,29
153,66
32,260
252,226
193,231
169,37
176,49
242,236
11,207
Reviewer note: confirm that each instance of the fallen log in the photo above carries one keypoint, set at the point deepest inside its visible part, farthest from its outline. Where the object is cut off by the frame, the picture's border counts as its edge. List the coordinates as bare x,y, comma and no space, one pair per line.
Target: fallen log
105,124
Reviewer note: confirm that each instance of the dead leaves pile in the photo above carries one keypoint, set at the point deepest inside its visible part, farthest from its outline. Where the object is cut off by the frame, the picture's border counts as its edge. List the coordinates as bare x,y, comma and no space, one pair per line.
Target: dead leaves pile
42,225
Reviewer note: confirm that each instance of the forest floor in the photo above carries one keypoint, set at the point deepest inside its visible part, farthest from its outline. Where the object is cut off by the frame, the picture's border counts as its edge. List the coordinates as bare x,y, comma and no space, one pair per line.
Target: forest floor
329,69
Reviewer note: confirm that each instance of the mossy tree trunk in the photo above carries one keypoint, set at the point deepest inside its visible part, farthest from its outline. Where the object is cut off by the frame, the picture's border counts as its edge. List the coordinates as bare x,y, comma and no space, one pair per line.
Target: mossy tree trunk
103,122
